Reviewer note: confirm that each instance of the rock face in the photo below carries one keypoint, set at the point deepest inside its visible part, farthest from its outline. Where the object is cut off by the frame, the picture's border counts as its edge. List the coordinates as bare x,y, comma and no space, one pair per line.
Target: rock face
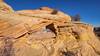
44,32
97,31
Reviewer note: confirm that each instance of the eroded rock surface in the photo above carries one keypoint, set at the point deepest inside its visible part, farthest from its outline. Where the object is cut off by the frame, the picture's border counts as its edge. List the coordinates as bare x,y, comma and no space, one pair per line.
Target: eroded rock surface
44,32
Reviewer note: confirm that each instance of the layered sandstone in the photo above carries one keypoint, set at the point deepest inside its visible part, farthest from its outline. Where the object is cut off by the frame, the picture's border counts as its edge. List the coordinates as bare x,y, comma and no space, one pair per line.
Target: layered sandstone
44,32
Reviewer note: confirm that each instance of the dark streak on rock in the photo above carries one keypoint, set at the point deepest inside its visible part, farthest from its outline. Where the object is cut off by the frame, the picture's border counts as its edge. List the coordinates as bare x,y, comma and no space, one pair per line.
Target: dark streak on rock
68,53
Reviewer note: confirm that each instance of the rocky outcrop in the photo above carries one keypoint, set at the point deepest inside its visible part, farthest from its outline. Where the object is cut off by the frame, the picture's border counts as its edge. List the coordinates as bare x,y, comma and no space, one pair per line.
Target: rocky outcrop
45,32
97,31
4,7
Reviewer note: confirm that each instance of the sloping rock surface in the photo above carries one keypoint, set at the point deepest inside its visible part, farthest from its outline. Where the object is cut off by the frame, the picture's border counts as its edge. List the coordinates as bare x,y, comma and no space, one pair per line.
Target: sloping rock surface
44,32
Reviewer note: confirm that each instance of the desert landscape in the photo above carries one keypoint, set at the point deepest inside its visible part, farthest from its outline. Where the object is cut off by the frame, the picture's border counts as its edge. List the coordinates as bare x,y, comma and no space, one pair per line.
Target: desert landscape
45,32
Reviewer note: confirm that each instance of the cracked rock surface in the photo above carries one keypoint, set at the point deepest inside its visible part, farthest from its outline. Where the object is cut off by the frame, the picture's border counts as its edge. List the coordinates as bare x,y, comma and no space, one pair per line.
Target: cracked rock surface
44,32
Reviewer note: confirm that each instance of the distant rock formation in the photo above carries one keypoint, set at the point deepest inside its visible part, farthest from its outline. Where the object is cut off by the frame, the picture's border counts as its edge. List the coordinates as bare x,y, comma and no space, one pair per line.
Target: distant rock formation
44,32
97,31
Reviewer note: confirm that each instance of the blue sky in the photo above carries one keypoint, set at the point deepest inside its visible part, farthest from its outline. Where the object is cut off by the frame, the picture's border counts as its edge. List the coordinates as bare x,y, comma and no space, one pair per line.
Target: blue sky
88,9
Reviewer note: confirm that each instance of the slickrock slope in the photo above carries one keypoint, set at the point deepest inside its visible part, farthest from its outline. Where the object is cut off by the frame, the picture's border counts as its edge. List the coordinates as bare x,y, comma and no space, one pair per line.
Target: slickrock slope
44,32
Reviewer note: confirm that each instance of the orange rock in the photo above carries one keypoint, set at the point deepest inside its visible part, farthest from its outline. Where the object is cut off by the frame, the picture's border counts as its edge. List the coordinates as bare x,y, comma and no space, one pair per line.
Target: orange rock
45,32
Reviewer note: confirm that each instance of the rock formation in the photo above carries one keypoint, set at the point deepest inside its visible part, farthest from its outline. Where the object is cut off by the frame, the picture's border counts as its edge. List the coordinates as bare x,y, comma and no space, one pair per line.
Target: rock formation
44,32
97,31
